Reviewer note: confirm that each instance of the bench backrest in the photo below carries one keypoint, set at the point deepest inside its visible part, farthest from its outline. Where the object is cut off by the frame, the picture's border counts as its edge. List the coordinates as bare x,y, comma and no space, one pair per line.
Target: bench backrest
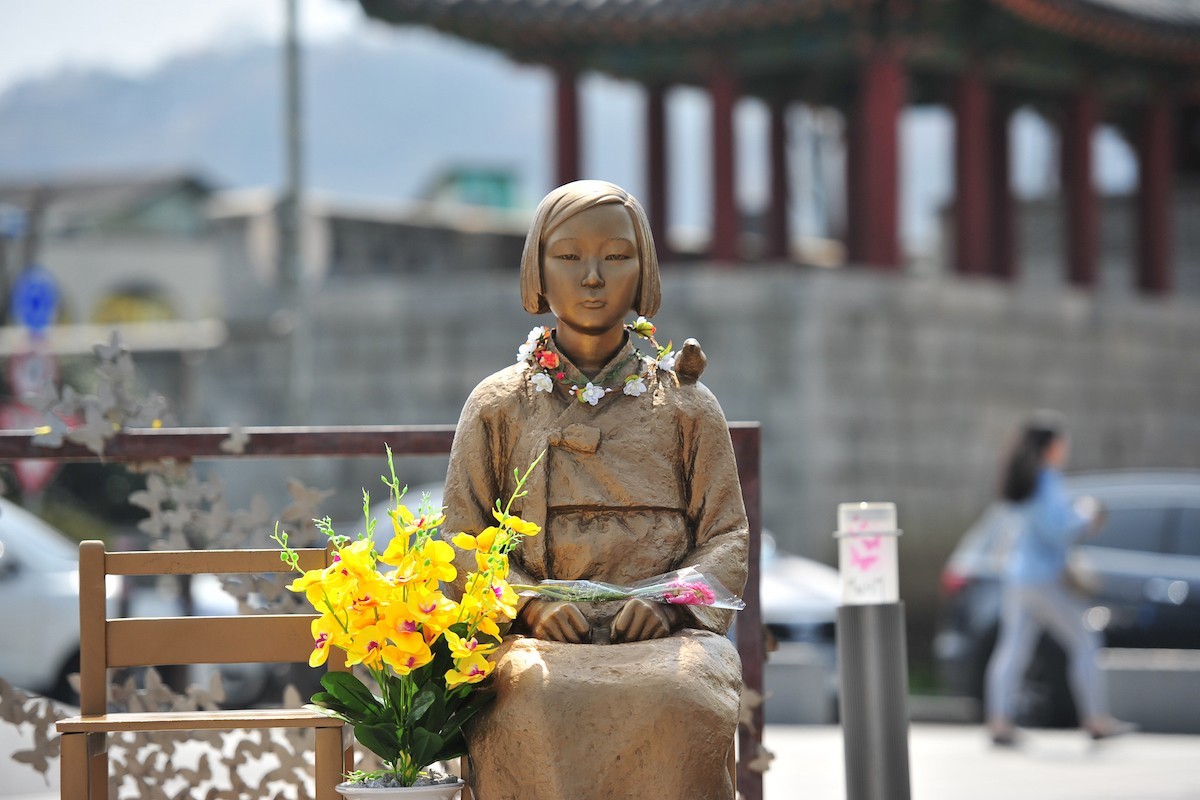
156,641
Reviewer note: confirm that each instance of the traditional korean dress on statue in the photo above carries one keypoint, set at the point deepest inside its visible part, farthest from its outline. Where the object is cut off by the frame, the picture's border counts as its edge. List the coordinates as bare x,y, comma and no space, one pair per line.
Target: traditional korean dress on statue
630,487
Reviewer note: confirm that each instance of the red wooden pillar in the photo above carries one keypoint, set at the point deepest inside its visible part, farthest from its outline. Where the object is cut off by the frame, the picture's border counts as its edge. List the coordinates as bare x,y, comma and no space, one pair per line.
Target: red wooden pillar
972,197
1079,193
656,166
1155,165
778,237
1004,262
723,88
873,167
566,125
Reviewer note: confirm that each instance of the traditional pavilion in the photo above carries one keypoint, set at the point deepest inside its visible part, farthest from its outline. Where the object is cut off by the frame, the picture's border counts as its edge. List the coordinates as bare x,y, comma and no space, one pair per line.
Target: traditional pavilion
1132,63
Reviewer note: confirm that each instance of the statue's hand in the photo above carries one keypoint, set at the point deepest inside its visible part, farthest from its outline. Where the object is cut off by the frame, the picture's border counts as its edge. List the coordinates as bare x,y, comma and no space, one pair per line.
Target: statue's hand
555,621
639,620
691,362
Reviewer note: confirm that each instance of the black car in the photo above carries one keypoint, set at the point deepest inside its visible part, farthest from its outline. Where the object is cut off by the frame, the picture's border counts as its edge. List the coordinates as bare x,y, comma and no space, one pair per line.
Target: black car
1145,568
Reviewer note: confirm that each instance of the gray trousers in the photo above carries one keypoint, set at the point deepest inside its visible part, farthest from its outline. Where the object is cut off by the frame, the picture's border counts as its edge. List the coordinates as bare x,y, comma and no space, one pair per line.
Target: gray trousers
1027,611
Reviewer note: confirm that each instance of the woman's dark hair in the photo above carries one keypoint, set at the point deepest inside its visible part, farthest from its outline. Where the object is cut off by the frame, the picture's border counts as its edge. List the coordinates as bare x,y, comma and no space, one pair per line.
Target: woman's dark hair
1025,461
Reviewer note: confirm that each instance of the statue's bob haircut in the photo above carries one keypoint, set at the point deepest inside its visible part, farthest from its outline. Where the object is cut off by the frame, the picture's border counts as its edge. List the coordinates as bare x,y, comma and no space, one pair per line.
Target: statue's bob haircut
565,202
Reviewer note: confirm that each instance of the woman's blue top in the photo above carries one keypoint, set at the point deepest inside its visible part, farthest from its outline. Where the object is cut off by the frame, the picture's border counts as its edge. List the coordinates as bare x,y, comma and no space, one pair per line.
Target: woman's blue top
1050,525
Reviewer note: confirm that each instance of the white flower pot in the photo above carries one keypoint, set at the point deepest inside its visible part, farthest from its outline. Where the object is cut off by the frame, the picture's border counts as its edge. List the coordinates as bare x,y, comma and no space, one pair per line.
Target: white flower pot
441,791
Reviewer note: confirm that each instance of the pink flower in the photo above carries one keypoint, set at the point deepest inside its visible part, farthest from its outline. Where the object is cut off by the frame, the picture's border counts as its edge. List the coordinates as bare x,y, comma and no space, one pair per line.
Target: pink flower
546,358
689,594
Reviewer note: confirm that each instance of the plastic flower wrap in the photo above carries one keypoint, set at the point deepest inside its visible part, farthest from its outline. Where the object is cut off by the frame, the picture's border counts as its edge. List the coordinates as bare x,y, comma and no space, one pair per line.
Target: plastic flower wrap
685,587
425,652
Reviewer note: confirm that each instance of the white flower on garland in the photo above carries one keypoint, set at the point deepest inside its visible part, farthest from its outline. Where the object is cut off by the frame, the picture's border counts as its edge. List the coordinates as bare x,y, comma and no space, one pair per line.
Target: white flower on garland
635,386
542,382
592,393
644,327
531,343
667,362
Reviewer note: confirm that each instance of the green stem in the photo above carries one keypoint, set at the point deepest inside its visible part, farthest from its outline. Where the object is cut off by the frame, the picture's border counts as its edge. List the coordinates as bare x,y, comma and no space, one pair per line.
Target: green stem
521,483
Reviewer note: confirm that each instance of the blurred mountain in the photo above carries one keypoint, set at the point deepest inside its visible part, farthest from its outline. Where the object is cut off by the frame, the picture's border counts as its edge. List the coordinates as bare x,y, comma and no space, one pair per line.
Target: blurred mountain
383,117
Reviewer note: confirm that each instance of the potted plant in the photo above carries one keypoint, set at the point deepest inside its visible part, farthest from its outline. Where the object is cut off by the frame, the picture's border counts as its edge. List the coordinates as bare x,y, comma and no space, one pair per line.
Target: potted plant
426,653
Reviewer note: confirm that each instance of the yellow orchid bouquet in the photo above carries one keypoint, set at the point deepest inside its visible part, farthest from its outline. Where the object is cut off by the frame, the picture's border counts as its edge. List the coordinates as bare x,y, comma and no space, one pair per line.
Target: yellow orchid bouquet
426,653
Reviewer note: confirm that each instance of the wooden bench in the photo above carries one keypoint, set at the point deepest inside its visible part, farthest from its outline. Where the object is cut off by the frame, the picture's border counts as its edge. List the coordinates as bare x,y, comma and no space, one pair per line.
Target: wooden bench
116,643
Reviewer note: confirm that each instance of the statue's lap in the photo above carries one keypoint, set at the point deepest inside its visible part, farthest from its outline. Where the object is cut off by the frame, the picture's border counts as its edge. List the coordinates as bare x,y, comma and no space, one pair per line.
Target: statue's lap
659,718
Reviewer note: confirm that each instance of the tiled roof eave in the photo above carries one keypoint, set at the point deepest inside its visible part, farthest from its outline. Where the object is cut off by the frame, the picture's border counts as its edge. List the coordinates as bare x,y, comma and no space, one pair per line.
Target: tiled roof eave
1103,26
547,25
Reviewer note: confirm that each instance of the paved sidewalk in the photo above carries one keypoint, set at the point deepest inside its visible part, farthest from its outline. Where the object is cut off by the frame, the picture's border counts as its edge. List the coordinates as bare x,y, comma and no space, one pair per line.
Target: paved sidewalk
948,762
958,762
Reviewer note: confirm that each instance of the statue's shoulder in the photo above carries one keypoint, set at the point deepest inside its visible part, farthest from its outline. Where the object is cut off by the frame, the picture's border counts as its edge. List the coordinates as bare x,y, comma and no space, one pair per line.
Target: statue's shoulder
500,390
693,398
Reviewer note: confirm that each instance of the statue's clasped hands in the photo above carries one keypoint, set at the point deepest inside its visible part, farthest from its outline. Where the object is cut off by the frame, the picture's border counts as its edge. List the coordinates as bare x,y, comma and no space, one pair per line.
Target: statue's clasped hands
638,620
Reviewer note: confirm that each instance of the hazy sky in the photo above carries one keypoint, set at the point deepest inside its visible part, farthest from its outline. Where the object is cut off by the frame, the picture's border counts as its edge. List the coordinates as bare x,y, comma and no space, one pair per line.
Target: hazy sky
42,36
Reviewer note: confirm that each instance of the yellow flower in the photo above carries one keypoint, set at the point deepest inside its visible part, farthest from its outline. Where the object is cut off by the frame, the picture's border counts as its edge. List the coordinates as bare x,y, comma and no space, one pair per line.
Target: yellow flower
436,561
501,598
410,652
477,616
353,569
492,564
367,646
516,524
397,619
482,541
396,550
488,627
406,569
401,517
432,610
472,669
312,583
406,523
356,559
374,647
325,632
369,592
462,648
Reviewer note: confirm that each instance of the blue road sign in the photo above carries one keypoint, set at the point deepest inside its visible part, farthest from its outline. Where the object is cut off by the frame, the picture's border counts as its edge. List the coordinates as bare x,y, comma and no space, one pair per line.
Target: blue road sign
34,298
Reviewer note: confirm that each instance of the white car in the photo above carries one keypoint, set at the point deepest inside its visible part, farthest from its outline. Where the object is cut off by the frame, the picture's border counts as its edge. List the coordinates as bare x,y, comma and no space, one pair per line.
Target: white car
39,592
39,626
799,598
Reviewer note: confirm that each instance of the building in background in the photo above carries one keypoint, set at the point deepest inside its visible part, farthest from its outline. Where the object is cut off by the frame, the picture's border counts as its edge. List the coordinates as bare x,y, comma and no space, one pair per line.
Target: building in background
1078,63
124,248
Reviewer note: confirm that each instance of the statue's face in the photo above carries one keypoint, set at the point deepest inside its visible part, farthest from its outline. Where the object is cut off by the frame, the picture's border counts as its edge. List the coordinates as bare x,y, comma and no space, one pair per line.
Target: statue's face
591,269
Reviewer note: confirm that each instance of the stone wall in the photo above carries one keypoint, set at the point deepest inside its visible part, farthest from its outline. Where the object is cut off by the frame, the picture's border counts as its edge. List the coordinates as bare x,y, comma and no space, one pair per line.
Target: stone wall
869,386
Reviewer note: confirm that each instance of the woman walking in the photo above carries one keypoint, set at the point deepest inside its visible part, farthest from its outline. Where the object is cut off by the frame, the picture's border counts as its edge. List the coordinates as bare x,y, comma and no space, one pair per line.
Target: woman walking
1036,596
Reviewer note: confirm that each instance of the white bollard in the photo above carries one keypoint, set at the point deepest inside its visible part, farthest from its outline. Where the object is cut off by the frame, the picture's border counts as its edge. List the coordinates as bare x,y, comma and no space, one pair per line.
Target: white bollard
872,659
